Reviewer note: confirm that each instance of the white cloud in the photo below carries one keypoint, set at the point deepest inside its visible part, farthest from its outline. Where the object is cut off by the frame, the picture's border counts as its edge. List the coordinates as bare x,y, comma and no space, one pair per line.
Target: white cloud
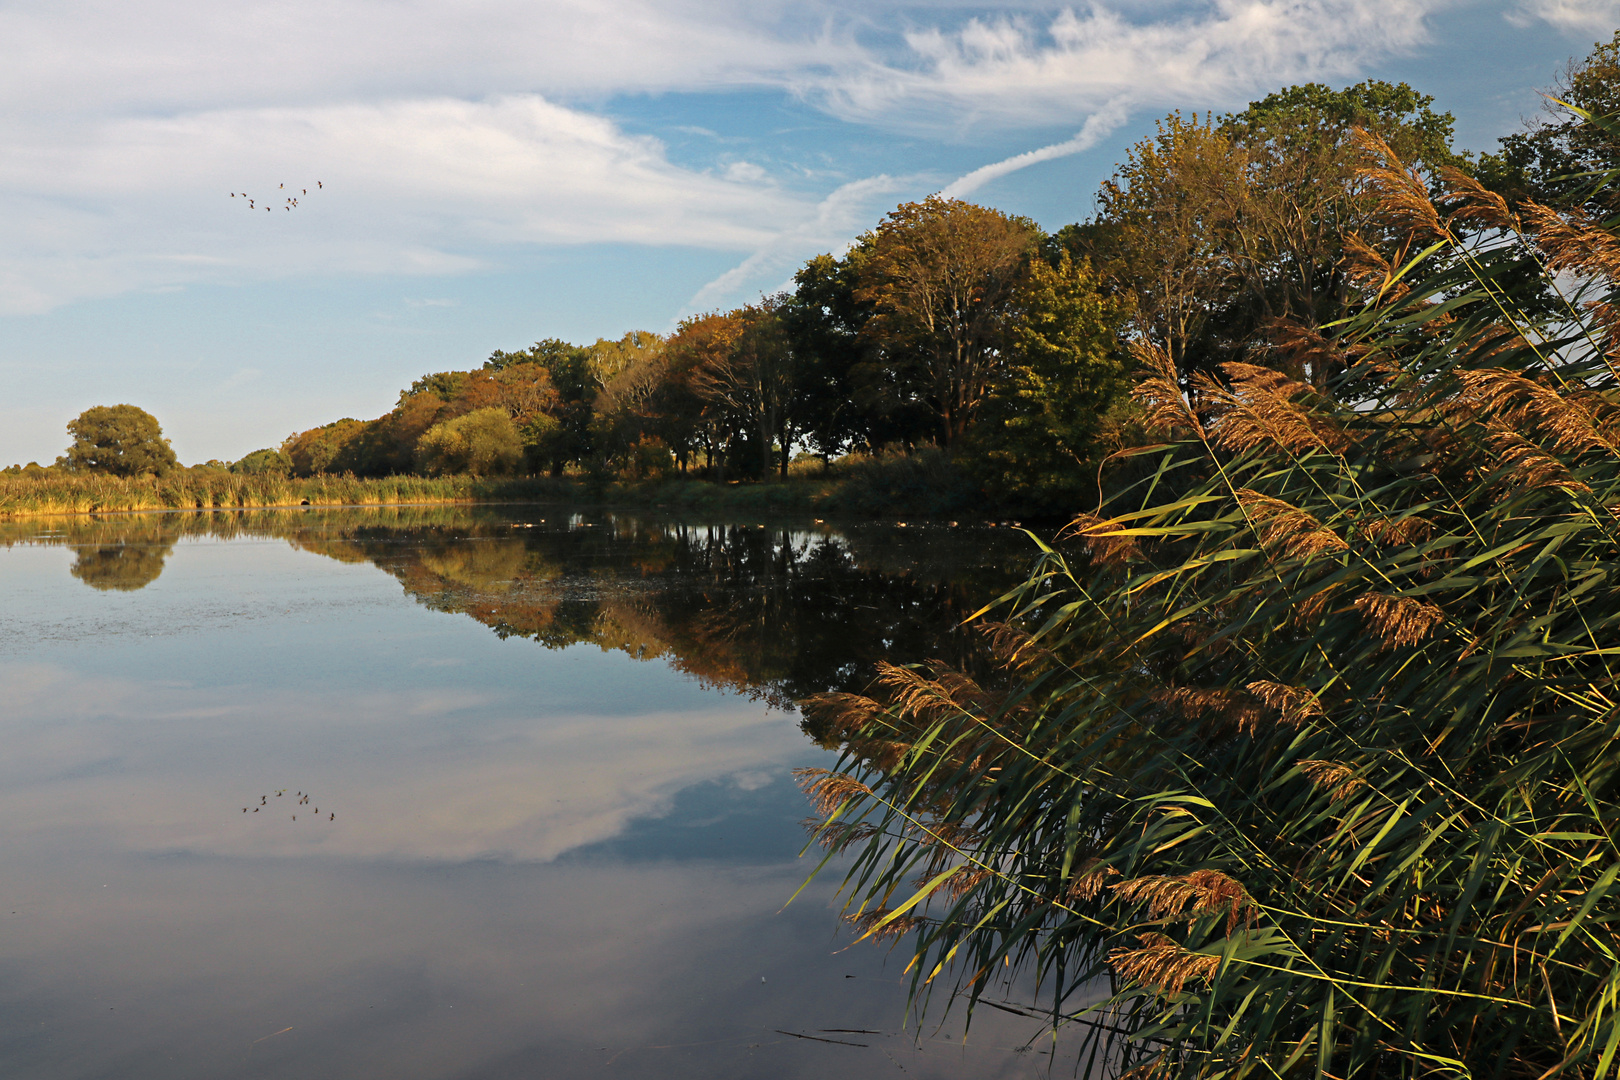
447,133
1012,70
744,172
413,187
1571,16
1098,126
836,219
451,775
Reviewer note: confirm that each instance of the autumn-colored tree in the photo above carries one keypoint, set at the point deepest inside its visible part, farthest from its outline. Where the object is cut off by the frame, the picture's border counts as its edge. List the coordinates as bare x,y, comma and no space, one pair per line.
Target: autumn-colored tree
1164,219
939,275
700,343
324,449
753,378
1219,226
120,440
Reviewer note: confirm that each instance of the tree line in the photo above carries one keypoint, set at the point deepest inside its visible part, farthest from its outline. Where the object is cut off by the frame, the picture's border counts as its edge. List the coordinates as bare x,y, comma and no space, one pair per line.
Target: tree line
964,328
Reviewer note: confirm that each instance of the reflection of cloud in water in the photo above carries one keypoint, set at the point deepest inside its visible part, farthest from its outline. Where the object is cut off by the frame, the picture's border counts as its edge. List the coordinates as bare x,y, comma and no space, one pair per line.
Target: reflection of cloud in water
436,774
174,968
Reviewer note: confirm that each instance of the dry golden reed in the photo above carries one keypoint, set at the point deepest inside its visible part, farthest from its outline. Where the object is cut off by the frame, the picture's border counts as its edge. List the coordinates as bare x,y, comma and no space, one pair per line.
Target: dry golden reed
1476,202
1189,897
1164,964
829,791
1399,620
1258,409
1283,526
1338,778
1294,705
895,929
1158,391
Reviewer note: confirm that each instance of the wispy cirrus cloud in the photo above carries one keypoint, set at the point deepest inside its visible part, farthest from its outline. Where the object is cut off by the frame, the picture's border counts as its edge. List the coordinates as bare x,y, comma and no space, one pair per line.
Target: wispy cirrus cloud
1570,16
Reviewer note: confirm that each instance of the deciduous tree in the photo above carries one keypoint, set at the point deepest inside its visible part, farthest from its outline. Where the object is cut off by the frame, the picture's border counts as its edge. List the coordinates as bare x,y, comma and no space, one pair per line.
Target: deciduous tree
939,275
1065,369
120,440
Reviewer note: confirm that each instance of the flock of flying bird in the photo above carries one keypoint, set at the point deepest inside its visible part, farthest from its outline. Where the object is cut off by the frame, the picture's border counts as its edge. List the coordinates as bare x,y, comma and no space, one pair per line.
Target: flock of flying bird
289,202
302,799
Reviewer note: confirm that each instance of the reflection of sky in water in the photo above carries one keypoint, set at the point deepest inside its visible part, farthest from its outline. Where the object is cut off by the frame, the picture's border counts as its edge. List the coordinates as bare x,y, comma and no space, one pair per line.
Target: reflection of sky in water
543,862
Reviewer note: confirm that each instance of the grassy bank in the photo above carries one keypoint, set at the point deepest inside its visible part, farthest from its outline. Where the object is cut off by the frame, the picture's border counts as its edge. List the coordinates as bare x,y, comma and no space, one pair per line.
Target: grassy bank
916,485
30,497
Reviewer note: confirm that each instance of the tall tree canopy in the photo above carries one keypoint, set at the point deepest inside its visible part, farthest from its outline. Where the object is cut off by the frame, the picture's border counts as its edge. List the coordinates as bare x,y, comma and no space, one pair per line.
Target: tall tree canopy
1219,226
120,440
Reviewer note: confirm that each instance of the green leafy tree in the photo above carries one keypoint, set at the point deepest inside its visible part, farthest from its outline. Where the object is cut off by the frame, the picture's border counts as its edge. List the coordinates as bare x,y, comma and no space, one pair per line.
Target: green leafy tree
566,438
483,442
1065,369
121,567
120,440
753,378
822,320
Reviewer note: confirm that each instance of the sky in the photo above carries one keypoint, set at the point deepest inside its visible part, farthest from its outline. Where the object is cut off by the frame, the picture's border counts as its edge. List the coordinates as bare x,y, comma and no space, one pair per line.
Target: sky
483,174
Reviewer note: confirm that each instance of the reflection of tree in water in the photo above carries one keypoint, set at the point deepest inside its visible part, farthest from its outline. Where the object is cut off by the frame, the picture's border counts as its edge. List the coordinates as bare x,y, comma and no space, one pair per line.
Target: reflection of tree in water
774,612
128,564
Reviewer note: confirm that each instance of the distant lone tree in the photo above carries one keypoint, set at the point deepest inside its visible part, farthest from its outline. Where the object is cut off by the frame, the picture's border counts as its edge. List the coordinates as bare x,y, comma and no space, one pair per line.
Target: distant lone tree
120,440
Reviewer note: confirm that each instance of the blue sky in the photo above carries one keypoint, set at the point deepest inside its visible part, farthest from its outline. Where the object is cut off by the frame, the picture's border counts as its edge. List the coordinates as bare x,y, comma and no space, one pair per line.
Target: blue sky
497,171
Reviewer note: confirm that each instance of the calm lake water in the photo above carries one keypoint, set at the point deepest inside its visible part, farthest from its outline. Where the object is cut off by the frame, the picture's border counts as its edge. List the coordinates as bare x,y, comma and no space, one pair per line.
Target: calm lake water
550,825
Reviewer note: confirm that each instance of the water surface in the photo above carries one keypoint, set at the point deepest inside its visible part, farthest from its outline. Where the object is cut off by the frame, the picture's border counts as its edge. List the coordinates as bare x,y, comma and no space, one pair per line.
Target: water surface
550,824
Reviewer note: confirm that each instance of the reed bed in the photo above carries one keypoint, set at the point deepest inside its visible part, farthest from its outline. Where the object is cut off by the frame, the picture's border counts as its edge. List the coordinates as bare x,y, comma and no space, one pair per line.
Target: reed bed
1309,766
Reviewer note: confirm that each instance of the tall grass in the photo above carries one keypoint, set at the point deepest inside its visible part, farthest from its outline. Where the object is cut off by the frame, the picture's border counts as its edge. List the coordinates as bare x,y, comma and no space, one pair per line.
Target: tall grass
1308,765
198,489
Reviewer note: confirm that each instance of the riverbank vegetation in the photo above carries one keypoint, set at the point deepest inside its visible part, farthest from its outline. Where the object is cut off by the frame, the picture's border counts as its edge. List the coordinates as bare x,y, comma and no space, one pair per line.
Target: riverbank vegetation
1307,765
